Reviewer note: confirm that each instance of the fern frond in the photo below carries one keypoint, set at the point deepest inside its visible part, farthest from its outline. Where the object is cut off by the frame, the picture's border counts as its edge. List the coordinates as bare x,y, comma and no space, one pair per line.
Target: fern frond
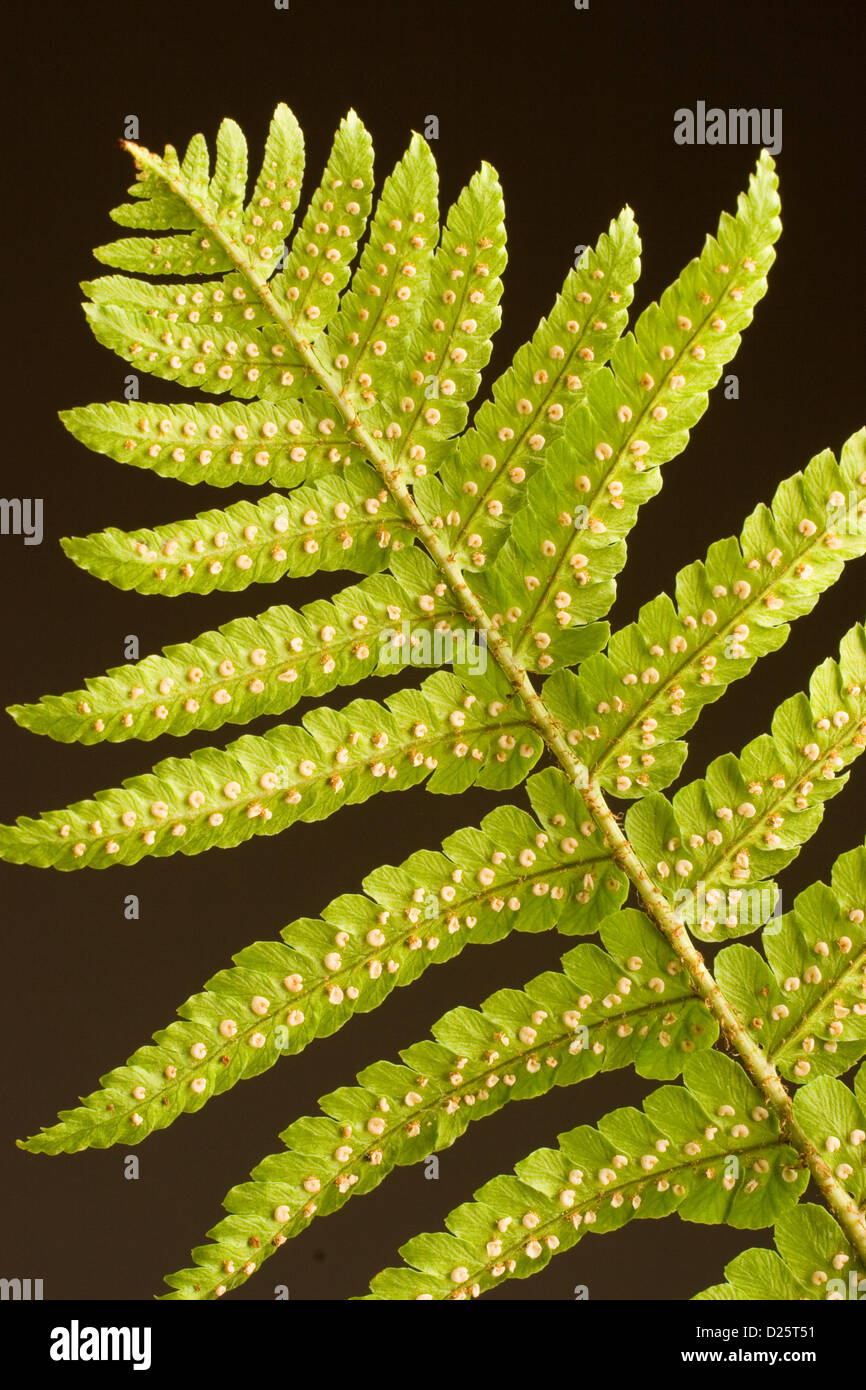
637,417
484,482
280,996
258,786
265,664
814,1262
731,608
284,443
352,400
637,1163
519,1045
747,819
347,522
808,1005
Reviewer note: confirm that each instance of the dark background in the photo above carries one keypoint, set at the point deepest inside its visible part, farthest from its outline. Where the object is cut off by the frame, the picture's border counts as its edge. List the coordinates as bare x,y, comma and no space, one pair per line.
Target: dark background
575,110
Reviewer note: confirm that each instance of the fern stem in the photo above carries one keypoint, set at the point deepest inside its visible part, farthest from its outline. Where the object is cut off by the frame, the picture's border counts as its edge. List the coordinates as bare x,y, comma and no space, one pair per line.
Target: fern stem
759,1067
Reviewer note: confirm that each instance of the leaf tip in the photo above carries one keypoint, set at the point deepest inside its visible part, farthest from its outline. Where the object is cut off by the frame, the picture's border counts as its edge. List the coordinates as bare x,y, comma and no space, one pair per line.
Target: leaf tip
19,713
73,548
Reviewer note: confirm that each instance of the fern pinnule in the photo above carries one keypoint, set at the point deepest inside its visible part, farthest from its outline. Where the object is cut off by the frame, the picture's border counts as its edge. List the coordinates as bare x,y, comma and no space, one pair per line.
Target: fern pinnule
419,402
811,1261
281,443
266,664
342,523
372,329
330,229
834,1117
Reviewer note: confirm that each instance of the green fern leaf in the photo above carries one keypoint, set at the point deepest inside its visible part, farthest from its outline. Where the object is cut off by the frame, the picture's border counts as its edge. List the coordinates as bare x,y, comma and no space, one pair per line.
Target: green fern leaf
341,523
197,302
215,361
814,1261
421,402
318,267
646,1163
808,1005
271,208
284,443
259,786
265,664
383,303
734,829
229,182
183,324
731,609
170,255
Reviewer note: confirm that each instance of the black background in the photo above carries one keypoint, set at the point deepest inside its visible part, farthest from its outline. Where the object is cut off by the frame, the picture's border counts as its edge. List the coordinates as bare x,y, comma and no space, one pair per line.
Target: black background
575,110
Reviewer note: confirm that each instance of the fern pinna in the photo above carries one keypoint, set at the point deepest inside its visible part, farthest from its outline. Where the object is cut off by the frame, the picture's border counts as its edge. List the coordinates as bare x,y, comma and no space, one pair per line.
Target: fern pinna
492,548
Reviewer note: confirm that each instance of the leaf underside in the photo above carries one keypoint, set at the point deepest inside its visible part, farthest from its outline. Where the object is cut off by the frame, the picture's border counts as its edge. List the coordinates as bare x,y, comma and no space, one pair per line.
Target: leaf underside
339,347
